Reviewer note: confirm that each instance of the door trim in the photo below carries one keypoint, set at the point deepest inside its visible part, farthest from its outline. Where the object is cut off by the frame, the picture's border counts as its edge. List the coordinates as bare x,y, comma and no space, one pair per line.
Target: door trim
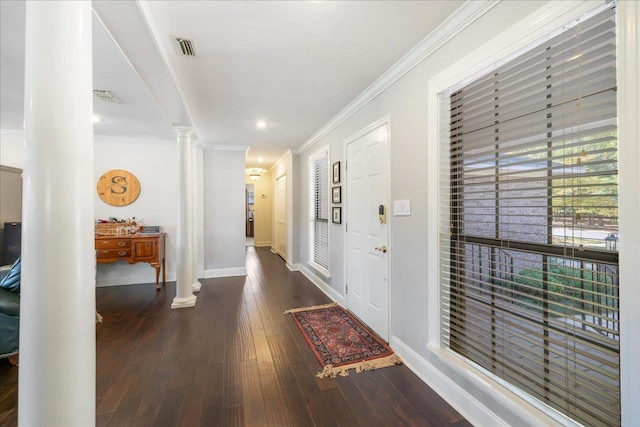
385,120
274,231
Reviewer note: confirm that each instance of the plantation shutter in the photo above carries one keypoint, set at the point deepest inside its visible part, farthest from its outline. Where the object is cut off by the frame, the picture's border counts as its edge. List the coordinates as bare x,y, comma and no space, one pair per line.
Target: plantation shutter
530,222
319,210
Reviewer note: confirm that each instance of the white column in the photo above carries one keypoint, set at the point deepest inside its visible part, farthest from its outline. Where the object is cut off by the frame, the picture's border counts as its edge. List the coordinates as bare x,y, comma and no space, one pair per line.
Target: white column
196,209
184,274
57,303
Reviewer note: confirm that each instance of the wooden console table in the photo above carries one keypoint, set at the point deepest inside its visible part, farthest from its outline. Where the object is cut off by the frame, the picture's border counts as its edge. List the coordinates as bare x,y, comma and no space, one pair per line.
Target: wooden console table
136,248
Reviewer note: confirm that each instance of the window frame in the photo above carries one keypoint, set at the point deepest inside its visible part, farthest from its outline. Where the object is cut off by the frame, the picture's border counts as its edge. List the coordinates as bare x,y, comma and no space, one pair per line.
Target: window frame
312,214
543,24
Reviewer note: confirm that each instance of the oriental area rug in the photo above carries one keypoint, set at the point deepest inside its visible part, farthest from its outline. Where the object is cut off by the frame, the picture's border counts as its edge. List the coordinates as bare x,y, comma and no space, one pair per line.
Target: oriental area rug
341,342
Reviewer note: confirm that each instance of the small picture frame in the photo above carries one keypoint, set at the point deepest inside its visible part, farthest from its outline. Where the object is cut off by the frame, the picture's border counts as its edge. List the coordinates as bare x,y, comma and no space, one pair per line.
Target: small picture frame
336,216
336,173
336,194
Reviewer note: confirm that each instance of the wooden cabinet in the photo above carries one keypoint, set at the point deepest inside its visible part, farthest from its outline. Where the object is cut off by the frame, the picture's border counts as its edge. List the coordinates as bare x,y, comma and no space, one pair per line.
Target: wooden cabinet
147,248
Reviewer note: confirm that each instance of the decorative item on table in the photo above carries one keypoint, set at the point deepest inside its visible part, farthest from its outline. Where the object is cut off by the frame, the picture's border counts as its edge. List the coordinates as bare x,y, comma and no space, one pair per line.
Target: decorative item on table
150,229
117,227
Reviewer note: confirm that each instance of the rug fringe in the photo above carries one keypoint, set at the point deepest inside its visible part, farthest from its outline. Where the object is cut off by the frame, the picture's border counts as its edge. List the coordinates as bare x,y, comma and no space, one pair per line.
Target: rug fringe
366,365
315,307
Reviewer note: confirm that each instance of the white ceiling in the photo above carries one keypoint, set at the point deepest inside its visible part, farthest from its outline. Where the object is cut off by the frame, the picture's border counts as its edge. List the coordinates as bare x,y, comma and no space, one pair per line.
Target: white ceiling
138,116
293,64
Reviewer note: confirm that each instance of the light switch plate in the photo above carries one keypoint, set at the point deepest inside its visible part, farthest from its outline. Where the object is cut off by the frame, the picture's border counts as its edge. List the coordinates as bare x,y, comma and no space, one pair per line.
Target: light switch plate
401,207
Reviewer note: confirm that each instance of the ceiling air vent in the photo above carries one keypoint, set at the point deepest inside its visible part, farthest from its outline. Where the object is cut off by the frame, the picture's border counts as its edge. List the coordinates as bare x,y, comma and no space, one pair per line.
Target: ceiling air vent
107,96
184,47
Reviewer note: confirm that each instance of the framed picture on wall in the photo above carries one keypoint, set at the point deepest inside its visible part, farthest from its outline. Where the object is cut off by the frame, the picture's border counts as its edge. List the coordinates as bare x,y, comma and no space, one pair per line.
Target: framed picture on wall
336,194
336,173
336,218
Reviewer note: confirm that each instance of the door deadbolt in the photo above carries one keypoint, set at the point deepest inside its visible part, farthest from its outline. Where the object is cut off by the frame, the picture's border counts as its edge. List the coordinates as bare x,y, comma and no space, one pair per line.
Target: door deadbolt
382,249
382,216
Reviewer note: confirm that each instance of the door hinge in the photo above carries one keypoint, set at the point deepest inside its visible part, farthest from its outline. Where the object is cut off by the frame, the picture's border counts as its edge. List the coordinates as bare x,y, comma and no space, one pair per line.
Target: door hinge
346,226
346,288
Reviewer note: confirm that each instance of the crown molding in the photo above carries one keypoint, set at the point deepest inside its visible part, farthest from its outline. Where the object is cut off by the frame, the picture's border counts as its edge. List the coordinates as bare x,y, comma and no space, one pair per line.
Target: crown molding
133,139
104,138
282,158
12,131
222,147
4,168
464,16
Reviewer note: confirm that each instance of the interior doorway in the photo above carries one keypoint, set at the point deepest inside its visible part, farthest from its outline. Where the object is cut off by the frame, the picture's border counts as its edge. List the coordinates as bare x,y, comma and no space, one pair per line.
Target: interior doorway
280,234
250,214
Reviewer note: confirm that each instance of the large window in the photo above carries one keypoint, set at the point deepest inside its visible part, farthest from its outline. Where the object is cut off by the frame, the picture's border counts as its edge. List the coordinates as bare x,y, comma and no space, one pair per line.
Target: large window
530,276
319,210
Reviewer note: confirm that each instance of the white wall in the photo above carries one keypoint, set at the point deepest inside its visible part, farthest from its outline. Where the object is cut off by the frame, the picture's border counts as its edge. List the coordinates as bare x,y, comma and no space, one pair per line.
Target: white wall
12,148
407,102
224,217
154,163
10,195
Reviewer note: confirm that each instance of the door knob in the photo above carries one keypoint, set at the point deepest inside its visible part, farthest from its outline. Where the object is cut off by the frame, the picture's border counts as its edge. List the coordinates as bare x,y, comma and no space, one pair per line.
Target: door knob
382,249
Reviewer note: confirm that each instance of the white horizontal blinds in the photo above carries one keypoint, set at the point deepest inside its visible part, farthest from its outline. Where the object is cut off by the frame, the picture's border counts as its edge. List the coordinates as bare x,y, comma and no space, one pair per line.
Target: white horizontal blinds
446,160
319,210
530,290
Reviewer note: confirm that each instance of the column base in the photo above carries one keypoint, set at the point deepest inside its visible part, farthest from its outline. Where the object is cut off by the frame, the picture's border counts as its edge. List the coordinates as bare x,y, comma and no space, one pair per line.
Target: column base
184,302
196,286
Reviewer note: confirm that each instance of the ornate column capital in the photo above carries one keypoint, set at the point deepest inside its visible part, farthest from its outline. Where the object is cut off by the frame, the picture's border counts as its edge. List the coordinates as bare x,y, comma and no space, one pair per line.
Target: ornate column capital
183,131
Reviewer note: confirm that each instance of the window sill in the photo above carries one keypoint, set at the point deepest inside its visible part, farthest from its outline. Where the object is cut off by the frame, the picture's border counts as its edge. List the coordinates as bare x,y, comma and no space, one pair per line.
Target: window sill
532,409
320,270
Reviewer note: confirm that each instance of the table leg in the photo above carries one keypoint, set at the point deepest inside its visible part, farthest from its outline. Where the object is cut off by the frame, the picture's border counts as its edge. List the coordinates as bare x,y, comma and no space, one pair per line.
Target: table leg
157,277
164,273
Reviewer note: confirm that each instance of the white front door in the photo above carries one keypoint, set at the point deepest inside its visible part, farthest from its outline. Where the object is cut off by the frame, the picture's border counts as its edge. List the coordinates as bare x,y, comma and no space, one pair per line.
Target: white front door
367,235
280,235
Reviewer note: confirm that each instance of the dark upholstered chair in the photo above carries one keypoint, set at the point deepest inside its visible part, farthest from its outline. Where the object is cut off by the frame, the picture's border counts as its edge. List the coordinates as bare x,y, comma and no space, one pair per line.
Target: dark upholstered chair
9,318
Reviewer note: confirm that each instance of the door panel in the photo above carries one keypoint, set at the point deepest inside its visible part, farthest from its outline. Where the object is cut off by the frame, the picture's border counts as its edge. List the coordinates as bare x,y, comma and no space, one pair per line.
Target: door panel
368,268
281,217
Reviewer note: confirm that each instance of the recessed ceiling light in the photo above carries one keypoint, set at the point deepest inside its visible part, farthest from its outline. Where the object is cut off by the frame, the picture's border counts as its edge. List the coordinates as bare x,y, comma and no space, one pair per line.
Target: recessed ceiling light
95,119
261,124
260,159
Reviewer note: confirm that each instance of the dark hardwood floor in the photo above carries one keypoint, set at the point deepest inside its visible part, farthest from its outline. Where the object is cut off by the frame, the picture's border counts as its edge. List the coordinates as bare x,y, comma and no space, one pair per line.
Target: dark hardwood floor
233,360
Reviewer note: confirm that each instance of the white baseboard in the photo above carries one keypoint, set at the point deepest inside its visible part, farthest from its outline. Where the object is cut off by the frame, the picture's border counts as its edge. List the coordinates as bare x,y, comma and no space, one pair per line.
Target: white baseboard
266,243
132,279
225,272
463,402
513,410
321,284
294,267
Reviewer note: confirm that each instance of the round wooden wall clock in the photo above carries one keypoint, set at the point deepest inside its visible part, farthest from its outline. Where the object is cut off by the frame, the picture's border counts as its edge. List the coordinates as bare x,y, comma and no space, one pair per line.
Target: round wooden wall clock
118,187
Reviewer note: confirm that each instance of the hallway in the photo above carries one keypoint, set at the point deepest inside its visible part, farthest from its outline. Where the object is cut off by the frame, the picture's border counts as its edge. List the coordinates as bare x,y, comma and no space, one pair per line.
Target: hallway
234,360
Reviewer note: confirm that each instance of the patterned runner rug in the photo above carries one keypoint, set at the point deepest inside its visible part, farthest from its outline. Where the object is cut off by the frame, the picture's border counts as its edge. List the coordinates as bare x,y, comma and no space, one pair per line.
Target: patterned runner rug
341,342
